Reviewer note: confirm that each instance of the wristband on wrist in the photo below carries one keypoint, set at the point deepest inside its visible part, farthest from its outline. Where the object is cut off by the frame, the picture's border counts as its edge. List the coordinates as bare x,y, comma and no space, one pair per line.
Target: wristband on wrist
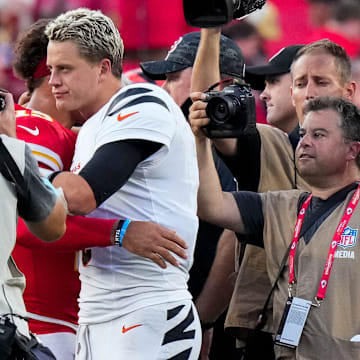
120,231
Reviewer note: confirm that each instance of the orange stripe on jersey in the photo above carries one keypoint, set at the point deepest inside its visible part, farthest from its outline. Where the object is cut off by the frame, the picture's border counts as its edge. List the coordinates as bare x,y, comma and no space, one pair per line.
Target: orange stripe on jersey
47,156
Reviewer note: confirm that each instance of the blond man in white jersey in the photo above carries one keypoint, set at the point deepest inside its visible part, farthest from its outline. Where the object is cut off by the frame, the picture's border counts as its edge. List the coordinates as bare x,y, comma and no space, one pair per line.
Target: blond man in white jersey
134,159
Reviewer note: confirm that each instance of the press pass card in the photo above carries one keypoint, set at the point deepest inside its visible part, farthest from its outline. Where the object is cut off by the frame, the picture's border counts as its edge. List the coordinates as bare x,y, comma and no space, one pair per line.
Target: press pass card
292,322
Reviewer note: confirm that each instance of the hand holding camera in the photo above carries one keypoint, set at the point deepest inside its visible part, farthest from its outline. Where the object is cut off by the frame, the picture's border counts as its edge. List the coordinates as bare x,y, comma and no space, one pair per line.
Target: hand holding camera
197,116
223,114
232,112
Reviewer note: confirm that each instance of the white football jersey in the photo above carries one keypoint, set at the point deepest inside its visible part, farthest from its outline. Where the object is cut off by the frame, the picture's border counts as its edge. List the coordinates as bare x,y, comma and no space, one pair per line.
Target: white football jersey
162,189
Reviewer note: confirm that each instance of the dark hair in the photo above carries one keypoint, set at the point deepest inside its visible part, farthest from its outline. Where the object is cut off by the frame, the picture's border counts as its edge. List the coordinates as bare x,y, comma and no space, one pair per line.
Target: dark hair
326,46
29,50
349,114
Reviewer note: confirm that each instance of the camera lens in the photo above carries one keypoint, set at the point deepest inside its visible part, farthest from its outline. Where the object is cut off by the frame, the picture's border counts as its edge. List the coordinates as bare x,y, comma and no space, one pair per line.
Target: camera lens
220,112
221,109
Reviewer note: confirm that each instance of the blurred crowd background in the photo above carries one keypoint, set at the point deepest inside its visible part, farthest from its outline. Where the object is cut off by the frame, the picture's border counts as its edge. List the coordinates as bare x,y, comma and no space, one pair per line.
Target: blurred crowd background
149,28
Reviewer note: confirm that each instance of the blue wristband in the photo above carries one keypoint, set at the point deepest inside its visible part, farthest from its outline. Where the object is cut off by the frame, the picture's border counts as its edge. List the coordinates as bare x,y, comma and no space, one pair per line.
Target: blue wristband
123,230
120,233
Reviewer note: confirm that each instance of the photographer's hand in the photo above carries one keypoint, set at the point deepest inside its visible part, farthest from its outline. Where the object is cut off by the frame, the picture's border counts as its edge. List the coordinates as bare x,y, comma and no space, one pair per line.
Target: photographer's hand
7,116
197,115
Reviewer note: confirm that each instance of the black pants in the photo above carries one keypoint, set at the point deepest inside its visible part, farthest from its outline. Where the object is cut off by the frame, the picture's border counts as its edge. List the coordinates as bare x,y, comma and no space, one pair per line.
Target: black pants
260,345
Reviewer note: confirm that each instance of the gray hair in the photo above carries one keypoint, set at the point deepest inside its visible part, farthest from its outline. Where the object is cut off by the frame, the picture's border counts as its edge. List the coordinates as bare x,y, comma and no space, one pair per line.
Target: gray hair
94,33
349,114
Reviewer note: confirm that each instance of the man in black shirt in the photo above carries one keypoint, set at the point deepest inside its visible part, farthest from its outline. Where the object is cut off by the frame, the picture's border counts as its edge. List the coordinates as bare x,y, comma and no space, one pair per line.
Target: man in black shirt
328,158
272,166
274,80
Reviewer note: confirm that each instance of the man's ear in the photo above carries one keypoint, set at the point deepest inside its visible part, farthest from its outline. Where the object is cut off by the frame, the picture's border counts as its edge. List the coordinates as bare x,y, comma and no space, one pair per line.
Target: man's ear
105,66
291,95
350,90
354,150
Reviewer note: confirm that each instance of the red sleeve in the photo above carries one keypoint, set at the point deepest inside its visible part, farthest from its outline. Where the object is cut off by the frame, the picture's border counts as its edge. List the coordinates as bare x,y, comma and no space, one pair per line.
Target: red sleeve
81,233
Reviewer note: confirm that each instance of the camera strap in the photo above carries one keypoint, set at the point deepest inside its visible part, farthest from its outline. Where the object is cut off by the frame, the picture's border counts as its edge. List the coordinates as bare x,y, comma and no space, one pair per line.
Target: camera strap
225,82
10,170
262,319
7,337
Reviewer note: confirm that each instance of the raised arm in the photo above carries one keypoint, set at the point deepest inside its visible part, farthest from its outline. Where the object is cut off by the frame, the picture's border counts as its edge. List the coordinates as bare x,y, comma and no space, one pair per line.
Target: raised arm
206,72
214,205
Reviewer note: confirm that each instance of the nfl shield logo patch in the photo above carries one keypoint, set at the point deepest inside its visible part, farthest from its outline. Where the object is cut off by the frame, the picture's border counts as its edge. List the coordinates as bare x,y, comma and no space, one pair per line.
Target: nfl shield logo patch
348,237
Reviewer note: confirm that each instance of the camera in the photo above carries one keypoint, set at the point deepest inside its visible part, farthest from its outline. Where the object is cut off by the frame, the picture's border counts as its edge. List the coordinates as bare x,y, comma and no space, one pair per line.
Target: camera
232,112
213,13
2,102
7,337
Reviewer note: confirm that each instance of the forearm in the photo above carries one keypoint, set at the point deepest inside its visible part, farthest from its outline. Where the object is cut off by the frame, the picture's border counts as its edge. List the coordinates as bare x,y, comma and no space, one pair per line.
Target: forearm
42,207
214,205
210,195
78,193
221,280
226,146
53,227
81,233
206,70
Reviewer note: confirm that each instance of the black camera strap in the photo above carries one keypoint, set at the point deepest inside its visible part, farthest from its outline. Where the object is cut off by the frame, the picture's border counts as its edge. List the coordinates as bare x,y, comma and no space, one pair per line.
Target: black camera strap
227,81
262,319
321,213
7,337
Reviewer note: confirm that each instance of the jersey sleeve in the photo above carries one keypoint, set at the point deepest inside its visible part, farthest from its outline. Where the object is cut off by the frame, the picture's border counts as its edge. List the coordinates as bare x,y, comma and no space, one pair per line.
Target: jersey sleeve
81,233
251,210
138,113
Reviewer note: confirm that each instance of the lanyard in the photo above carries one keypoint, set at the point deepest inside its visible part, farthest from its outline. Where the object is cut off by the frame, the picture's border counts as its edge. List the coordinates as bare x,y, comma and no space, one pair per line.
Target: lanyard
330,258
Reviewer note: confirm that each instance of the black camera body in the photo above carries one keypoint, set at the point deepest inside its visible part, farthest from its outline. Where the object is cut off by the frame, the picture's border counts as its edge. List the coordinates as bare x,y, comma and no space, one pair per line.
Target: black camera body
232,112
7,337
2,102
213,13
